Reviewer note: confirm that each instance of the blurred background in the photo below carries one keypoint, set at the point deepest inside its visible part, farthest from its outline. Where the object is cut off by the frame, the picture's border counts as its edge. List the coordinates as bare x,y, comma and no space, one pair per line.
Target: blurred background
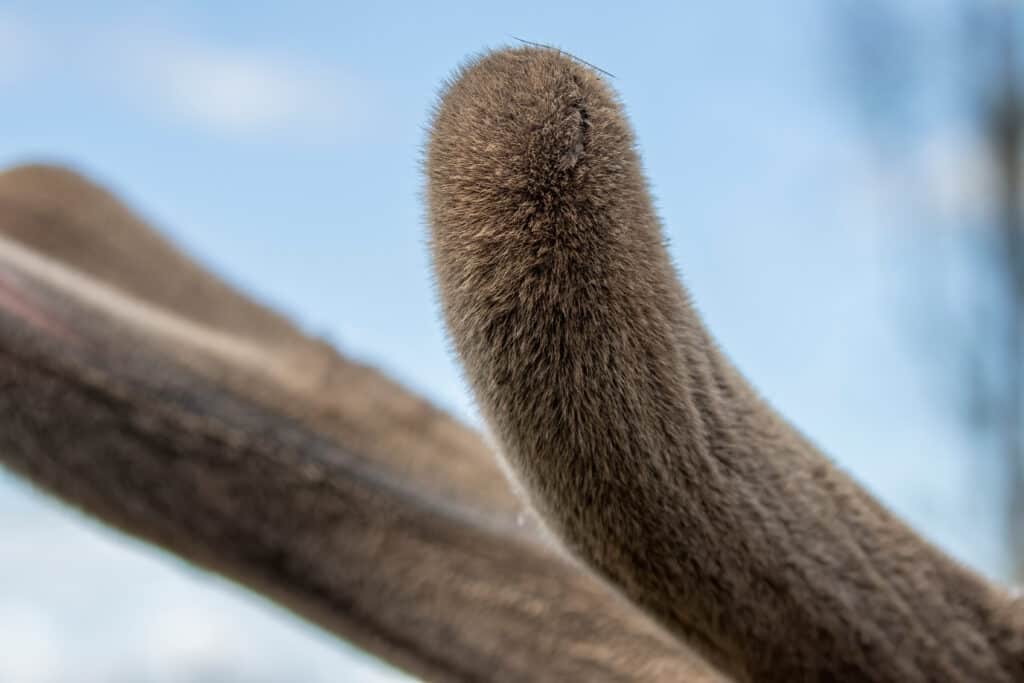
840,182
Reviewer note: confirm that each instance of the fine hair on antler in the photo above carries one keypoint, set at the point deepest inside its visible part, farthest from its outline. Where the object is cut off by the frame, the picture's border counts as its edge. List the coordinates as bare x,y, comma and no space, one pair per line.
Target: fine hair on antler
683,511
275,461
641,447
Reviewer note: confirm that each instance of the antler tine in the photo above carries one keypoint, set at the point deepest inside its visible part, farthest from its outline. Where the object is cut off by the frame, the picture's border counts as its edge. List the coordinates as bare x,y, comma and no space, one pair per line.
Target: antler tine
641,446
240,456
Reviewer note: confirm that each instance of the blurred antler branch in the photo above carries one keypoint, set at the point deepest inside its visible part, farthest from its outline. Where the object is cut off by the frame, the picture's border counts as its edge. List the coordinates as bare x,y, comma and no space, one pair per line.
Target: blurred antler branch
238,457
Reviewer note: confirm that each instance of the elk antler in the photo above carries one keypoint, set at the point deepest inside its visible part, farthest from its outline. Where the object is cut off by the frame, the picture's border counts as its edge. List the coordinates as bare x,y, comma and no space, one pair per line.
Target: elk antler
640,445
146,392
63,216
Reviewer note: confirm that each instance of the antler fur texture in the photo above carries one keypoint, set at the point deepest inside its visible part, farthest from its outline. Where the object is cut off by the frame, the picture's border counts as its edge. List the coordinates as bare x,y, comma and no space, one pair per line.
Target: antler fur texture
683,511
639,444
251,450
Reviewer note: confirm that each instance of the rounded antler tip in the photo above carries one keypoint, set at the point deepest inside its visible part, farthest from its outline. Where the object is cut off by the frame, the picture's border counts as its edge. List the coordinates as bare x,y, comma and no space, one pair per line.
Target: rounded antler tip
523,130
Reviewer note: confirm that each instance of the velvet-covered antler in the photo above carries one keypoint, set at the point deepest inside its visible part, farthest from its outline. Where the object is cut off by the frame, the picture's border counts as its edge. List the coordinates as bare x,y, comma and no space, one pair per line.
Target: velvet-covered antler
145,391
64,217
640,445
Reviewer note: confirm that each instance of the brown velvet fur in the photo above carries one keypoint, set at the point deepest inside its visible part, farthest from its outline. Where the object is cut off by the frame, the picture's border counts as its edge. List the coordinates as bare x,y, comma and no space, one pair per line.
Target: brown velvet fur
64,216
134,380
61,214
641,446
259,458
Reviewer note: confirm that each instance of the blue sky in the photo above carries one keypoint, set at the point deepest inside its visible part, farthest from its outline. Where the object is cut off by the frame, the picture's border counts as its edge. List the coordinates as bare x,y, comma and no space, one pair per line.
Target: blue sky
280,143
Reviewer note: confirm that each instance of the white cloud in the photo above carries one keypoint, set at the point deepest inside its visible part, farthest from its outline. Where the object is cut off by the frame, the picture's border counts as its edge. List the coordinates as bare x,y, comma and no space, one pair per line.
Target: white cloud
30,645
19,53
956,173
231,91
245,92
239,93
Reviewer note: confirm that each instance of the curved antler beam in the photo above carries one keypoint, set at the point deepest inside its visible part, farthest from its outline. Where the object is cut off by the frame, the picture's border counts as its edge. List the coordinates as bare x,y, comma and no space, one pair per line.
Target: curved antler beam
640,445
256,352
226,454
